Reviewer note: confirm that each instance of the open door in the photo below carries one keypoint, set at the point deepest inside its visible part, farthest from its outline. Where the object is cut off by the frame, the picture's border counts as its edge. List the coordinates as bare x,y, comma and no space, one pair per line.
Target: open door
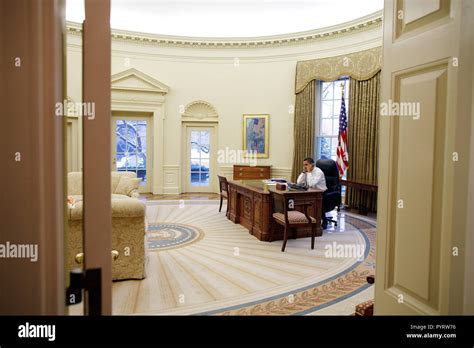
96,156
424,157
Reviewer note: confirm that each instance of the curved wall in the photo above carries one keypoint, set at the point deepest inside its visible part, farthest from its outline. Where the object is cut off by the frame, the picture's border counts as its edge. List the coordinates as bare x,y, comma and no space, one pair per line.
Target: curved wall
235,76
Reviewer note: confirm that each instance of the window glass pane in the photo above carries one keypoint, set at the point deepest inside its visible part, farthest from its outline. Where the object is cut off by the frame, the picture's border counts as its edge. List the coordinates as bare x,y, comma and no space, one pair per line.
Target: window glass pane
204,151
195,165
335,124
133,162
121,133
194,137
326,126
141,161
121,161
142,174
204,165
334,147
141,128
327,90
121,145
131,146
195,178
326,109
205,137
204,180
195,153
141,144
330,96
324,147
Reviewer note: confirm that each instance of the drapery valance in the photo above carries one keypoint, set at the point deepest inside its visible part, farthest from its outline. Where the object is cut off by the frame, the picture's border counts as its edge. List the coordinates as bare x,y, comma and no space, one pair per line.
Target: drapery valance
361,65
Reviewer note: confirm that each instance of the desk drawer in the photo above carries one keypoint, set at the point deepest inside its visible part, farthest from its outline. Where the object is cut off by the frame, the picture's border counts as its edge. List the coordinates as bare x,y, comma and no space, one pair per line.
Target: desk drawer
251,173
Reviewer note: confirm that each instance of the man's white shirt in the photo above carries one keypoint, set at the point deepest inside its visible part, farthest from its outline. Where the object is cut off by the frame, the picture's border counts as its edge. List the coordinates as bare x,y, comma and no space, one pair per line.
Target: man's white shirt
315,179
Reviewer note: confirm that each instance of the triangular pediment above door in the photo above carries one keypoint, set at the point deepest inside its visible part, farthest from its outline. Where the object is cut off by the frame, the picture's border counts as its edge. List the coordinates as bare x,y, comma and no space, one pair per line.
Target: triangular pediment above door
135,80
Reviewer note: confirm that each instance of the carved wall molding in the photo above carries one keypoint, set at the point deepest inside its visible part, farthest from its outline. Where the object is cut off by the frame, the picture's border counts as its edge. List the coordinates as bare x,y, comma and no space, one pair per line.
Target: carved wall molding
365,23
200,111
359,65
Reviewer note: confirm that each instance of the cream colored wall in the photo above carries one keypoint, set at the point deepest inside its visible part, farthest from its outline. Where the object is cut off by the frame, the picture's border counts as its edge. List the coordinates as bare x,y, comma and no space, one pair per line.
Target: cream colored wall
262,82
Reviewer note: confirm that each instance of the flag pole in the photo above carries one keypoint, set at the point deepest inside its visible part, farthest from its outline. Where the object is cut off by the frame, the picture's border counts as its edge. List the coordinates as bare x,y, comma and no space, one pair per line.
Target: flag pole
342,85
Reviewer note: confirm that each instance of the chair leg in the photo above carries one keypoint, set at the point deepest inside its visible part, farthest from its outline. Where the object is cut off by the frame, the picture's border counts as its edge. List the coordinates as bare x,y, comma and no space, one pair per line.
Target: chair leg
220,206
272,231
285,239
313,234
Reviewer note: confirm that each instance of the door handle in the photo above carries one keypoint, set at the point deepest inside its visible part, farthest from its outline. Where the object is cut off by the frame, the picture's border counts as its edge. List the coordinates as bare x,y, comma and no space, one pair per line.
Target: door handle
80,256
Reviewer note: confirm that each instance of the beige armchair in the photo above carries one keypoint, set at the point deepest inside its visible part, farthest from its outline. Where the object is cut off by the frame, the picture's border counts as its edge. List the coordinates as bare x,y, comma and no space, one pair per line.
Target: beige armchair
128,226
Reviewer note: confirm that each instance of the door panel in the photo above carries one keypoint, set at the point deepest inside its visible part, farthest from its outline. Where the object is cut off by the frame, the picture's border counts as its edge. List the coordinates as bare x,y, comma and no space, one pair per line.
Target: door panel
416,270
97,209
419,15
426,85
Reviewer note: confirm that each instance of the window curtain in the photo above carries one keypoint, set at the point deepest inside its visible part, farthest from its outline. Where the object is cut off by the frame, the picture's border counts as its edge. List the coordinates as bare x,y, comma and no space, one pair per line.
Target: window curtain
303,127
363,140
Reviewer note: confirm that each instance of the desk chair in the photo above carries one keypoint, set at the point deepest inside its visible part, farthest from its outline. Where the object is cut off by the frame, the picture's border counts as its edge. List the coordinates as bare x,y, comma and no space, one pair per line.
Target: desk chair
332,197
224,192
291,219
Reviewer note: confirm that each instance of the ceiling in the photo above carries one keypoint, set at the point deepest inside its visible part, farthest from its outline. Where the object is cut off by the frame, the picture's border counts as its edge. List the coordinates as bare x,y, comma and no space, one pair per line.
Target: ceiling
228,18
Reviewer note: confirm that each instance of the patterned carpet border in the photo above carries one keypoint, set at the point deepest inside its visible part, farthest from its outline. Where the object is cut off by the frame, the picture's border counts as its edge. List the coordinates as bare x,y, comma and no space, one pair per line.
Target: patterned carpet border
322,294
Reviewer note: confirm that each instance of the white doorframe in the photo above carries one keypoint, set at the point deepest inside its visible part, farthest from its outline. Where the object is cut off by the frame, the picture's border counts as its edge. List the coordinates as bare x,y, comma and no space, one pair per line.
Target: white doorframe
134,91
185,165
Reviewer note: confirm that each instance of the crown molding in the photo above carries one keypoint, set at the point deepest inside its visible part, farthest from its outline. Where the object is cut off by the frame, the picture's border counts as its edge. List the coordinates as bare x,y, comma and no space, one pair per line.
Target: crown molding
352,27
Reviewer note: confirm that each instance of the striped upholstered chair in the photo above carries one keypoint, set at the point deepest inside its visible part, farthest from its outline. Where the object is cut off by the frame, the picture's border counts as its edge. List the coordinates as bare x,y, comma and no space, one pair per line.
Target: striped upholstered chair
283,205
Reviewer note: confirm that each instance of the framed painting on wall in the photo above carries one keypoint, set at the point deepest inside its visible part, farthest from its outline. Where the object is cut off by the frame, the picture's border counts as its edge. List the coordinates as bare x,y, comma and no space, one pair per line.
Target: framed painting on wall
256,135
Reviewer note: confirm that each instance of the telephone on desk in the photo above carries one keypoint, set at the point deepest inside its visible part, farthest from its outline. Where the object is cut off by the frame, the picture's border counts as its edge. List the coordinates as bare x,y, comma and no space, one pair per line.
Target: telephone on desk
297,187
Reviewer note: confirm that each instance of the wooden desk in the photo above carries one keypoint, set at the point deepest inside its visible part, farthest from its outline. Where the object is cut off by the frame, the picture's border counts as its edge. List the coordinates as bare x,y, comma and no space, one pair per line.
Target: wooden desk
251,205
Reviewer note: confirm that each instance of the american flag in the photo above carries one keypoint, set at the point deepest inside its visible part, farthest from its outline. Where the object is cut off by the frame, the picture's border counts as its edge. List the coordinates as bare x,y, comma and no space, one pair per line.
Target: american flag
342,149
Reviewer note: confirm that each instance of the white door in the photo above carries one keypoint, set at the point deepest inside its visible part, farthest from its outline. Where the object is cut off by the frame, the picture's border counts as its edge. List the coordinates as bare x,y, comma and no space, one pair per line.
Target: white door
422,183
131,145
200,159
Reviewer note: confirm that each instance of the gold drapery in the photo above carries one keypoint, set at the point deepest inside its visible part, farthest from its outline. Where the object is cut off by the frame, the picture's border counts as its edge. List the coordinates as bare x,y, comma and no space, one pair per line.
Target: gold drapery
360,65
303,127
363,140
